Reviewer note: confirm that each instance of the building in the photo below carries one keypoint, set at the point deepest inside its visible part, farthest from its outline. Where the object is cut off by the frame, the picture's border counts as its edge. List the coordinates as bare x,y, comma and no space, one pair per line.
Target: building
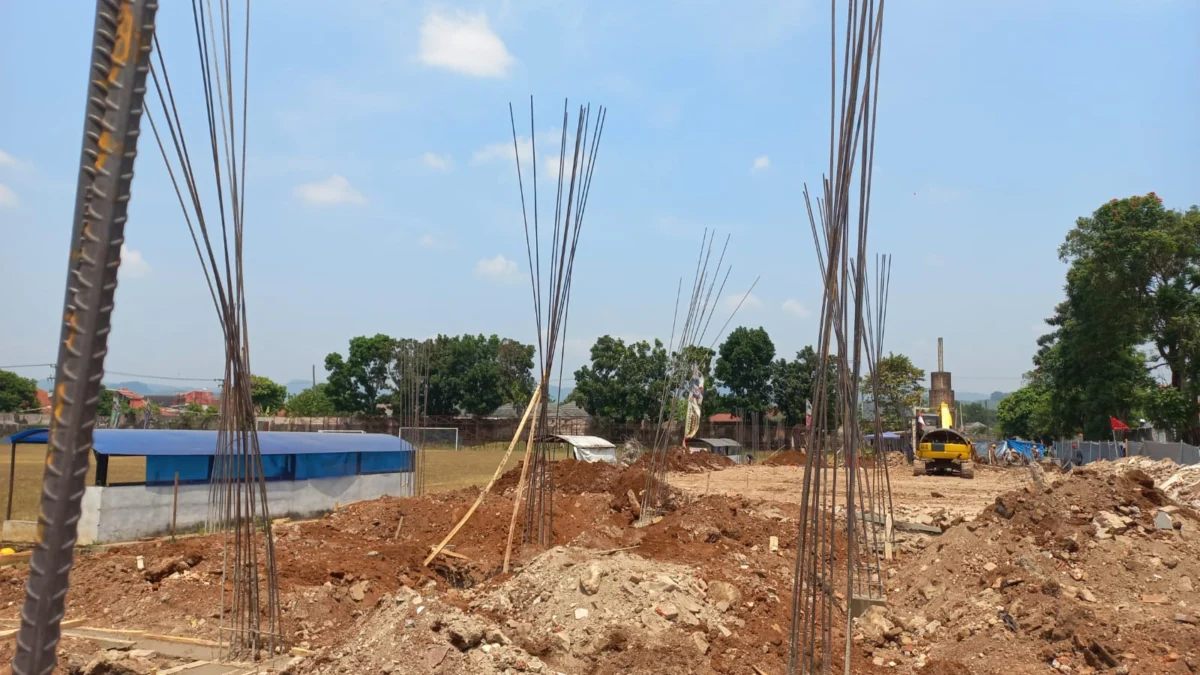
306,474
135,400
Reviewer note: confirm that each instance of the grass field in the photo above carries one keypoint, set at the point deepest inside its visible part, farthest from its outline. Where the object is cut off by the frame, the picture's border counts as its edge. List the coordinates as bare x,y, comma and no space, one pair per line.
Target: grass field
444,470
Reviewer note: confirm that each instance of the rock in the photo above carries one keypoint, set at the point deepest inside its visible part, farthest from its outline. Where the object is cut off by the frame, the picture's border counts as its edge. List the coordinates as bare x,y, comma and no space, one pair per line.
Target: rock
878,661
1184,584
725,632
1155,599
581,612
989,567
667,611
653,622
358,591
723,591
464,633
1110,523
166,569
1162,521
875,625
589,581
1184,618
1086,595
106,665
930,592
141,653
688,604
931,627
700,641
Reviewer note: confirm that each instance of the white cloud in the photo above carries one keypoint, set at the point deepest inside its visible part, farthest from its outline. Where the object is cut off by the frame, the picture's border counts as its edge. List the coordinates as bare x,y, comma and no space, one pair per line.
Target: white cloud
334,190
792,306
7,159
427,240
548,146
762,163
751,302
8,198
464,42
133,265
499,268
438,162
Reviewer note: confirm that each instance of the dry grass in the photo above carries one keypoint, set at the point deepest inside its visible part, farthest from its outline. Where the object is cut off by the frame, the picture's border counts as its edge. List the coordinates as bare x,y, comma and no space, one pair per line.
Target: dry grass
444,470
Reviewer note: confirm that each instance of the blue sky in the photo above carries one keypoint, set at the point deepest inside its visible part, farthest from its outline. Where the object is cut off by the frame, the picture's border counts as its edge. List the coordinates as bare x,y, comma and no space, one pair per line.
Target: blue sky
376,201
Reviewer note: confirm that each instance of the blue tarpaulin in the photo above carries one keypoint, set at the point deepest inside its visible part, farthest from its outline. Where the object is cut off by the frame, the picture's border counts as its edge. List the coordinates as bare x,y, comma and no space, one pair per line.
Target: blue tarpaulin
285,455
887,435
1026,449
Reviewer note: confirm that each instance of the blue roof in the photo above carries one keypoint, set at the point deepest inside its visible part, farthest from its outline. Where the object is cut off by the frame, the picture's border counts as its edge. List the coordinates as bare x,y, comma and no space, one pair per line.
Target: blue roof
158,442
886,435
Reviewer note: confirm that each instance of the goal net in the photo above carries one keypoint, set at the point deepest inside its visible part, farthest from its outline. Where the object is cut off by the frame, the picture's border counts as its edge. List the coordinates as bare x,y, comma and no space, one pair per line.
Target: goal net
432,438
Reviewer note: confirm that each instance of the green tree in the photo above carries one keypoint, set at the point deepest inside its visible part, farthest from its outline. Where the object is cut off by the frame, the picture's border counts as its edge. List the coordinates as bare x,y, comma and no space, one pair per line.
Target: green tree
17,393
312,402
624,383
358,382
978,411
1026,413
267,395
744,369
104,406
900,390
516,371
792,384
1132,282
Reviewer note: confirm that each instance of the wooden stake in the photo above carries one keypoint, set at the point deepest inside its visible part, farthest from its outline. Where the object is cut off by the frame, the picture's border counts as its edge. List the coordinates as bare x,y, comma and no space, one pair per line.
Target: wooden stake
499,470
887,537
398,526
512,523
175,506
707,482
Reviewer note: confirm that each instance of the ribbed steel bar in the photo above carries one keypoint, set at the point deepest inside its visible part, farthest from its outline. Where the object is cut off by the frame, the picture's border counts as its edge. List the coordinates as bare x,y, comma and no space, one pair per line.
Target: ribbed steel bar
116,89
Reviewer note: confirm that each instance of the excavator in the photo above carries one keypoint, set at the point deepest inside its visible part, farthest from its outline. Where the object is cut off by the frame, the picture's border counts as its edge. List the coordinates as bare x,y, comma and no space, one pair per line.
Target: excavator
938,448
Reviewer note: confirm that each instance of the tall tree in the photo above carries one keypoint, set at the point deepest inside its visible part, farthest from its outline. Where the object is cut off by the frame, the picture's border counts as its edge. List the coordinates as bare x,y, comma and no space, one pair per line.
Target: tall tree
17,393
744,369
792,384
104,406
624,383
900,390
1026,413
267,394
357,383
477,374
516,370
312,402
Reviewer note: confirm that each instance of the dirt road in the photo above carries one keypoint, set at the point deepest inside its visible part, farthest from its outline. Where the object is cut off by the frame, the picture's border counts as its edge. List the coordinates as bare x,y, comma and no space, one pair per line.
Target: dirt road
957,496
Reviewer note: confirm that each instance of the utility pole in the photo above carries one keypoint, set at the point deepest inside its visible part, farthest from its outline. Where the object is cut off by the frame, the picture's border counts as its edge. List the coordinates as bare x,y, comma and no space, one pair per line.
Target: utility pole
314,376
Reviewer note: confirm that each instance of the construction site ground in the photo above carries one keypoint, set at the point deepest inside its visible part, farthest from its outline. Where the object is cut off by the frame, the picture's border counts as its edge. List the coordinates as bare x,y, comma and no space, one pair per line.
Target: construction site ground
1092,573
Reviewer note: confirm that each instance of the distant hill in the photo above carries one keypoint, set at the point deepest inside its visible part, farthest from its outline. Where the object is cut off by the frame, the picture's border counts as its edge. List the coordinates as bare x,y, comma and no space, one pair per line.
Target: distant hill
555,393
993,398
135,386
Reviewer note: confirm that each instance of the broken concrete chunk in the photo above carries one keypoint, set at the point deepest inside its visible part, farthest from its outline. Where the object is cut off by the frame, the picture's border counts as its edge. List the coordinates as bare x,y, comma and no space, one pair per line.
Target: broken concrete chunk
700,641
723,591
589,581
1162,521
667,610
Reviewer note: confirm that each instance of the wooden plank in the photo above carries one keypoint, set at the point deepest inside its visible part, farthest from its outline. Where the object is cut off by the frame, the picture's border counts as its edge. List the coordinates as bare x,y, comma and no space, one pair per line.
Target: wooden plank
300,651
512,524
488,488
183,668
19,558
179,639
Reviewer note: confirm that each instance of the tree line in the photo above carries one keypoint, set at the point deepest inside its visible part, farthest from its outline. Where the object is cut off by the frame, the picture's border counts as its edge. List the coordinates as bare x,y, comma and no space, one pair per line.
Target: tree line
624,382
1125,341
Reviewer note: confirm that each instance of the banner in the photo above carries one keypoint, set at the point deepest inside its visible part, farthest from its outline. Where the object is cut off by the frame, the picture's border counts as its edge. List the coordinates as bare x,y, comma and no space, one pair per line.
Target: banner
695,403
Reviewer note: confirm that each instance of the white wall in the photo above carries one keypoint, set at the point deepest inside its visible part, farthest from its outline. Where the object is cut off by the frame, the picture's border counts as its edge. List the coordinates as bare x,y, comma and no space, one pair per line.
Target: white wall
127,512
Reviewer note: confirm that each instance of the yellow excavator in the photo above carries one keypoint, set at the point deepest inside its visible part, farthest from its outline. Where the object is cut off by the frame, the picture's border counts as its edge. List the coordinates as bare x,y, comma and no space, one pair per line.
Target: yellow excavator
938,448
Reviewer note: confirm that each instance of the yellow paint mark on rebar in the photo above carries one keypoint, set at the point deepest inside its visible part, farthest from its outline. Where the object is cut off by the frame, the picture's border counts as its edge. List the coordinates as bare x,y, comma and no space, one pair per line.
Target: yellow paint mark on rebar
124,42
60,396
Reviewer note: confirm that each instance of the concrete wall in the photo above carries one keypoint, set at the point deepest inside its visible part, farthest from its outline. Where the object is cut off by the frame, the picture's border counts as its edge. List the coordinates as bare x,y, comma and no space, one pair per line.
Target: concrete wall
127,512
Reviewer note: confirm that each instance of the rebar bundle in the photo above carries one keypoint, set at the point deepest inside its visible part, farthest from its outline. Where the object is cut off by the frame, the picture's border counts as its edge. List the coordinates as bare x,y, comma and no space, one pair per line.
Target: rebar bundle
411,401
836,442
550,280
683,384
238,507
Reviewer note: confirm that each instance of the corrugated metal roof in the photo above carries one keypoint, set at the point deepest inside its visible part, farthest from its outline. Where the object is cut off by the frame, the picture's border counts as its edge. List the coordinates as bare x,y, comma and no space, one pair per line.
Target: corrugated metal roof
158,442
720,442
580,441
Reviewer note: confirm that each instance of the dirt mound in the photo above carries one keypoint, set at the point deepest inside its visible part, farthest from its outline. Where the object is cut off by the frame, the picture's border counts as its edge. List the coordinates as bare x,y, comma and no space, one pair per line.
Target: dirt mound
683,460
787,458
570,476
1079,576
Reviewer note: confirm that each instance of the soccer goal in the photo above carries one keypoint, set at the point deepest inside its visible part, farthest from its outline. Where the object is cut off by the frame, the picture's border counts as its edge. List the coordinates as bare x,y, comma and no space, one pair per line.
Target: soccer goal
432,438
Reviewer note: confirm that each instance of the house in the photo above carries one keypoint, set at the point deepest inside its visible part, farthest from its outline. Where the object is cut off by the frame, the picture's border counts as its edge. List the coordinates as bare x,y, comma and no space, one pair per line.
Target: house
135,400
199,397
43,398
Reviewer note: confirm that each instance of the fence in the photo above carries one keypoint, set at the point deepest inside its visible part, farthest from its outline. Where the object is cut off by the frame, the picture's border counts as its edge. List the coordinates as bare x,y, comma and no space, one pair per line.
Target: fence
1086,452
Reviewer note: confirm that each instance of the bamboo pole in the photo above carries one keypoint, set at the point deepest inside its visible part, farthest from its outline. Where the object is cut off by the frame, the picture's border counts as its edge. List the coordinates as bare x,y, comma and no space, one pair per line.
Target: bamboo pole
512,523
499,470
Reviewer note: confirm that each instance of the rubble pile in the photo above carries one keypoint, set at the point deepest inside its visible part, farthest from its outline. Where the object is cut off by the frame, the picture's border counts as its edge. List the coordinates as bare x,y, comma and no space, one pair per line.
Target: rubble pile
1181,482
1093,574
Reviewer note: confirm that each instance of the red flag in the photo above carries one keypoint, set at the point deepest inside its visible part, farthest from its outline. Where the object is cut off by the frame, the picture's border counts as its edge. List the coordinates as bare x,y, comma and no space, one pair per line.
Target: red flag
1118,425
